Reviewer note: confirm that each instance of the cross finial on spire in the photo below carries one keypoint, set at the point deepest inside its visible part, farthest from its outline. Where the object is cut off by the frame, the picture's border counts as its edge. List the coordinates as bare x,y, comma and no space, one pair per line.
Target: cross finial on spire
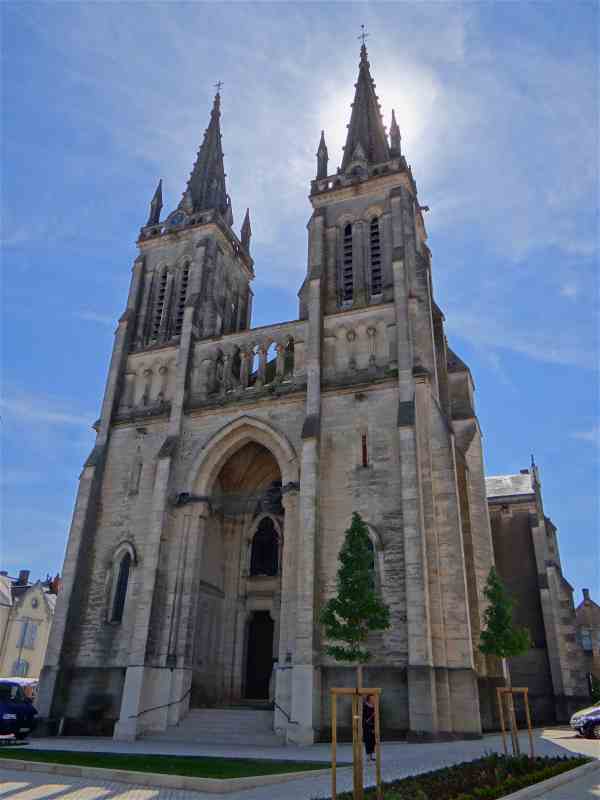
218,86
363,35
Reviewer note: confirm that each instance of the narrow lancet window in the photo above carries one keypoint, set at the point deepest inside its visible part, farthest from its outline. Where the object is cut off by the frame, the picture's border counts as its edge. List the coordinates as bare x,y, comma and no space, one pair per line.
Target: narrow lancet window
118,605
373,574
159,306
376,277
347,271
264,559
365,452
183,287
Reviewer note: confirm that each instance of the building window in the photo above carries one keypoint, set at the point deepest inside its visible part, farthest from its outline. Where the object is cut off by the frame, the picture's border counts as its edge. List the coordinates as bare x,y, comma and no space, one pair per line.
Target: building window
372,570
347,271
235,310
161,291
376,276
27,634
364,449
20,668
118,603
183,287
264,559
585,637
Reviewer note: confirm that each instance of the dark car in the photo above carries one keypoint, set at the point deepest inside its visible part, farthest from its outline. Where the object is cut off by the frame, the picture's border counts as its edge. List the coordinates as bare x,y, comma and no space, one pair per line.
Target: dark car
17,712
587,722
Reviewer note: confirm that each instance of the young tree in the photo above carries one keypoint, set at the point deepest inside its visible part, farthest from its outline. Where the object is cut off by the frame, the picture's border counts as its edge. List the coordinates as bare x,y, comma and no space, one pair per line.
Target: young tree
500,636
357,609
349,617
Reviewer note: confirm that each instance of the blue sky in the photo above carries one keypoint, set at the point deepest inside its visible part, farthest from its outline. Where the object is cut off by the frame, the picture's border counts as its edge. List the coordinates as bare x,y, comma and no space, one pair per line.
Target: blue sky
498,108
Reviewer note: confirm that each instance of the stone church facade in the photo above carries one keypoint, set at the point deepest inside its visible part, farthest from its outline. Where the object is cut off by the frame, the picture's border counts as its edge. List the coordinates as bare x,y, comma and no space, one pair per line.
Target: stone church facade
229,460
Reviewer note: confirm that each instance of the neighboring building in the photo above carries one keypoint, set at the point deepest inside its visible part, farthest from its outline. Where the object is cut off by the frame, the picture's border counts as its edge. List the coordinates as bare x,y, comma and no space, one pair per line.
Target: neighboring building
528,561
25,634
5,603
588,631
229,460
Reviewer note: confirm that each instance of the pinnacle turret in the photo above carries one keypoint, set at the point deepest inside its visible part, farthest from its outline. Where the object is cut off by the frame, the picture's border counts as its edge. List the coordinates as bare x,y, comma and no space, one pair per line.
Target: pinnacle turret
206,185
394,137
322,157
156,205
366,139
246,232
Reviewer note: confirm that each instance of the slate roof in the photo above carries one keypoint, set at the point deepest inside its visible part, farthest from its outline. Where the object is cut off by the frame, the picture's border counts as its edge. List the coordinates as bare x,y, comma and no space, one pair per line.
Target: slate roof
509,485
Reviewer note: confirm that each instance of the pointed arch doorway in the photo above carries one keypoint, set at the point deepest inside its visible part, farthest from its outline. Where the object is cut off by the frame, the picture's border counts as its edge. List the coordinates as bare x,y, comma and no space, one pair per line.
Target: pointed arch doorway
238,608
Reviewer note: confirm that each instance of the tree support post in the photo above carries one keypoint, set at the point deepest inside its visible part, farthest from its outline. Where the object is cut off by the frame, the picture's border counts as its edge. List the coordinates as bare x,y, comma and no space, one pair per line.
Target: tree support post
356,696
509,693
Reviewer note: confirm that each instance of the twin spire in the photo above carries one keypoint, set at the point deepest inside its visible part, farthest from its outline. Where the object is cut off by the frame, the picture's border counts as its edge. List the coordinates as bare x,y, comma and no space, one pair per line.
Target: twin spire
206,185
366,139
206,189
366,142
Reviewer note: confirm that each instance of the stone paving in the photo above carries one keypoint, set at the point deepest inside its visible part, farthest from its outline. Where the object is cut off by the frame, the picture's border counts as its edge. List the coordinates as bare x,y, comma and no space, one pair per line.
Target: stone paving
399,759
585,788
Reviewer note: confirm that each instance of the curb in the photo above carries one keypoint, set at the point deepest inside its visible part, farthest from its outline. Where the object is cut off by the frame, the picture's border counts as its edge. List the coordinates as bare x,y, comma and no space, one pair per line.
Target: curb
540,789
158,780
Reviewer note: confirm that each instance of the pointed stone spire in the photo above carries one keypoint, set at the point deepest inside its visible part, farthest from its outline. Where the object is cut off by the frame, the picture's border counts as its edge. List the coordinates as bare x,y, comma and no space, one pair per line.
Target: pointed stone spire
246,233
365,131
322,157
156,206
394,137
206,186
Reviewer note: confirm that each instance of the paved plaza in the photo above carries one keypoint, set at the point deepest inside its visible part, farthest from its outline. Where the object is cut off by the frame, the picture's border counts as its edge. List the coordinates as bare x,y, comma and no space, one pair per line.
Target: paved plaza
399,759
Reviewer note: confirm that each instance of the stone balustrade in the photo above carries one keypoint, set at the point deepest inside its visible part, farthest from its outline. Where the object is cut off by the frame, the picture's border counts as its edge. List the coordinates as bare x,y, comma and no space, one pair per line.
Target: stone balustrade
248,361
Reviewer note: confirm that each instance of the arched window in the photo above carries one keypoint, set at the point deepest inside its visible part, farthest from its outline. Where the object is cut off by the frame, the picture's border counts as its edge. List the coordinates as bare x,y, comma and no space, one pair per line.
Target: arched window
159,305
264,558
347,271
118,603
376,277
183,287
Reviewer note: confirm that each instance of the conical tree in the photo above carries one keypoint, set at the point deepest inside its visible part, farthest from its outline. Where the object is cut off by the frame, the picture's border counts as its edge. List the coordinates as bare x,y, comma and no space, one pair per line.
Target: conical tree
500,637
357,609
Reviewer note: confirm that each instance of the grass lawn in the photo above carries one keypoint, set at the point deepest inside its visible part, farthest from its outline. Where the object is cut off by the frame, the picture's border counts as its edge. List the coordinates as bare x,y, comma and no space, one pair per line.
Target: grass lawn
487,778
189,766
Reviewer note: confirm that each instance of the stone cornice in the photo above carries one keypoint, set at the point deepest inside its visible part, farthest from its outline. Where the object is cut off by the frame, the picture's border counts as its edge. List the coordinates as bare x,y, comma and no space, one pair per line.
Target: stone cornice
361,187
216,227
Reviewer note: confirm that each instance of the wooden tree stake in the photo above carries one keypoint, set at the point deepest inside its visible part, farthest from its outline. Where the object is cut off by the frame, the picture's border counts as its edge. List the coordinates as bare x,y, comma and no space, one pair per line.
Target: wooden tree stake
356,696
510,693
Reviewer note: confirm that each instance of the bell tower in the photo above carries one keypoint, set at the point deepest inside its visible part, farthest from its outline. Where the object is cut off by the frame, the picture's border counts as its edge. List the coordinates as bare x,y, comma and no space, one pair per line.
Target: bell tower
355,205
194,258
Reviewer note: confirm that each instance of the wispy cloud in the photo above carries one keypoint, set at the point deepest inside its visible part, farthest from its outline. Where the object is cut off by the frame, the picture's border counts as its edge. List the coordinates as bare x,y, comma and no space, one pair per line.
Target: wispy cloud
23,407
93,316
550,346
592,436
569,290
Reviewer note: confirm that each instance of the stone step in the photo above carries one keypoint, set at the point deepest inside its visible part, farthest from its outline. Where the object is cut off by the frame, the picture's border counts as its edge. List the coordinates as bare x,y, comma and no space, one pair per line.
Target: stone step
223,726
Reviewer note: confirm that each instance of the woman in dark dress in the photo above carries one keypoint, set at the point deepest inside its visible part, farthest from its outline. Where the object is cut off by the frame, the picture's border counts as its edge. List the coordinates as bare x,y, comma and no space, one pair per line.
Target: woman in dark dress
368,722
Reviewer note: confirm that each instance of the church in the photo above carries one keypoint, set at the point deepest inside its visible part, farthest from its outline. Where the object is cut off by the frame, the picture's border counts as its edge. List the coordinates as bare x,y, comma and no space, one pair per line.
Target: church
229,460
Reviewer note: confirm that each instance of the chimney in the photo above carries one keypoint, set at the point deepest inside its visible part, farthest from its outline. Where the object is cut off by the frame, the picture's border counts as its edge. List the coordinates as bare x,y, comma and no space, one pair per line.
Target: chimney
586,595
23,578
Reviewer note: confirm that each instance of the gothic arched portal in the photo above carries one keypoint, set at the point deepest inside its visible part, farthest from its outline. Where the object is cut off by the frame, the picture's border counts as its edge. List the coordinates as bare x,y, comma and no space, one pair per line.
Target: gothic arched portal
238,604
